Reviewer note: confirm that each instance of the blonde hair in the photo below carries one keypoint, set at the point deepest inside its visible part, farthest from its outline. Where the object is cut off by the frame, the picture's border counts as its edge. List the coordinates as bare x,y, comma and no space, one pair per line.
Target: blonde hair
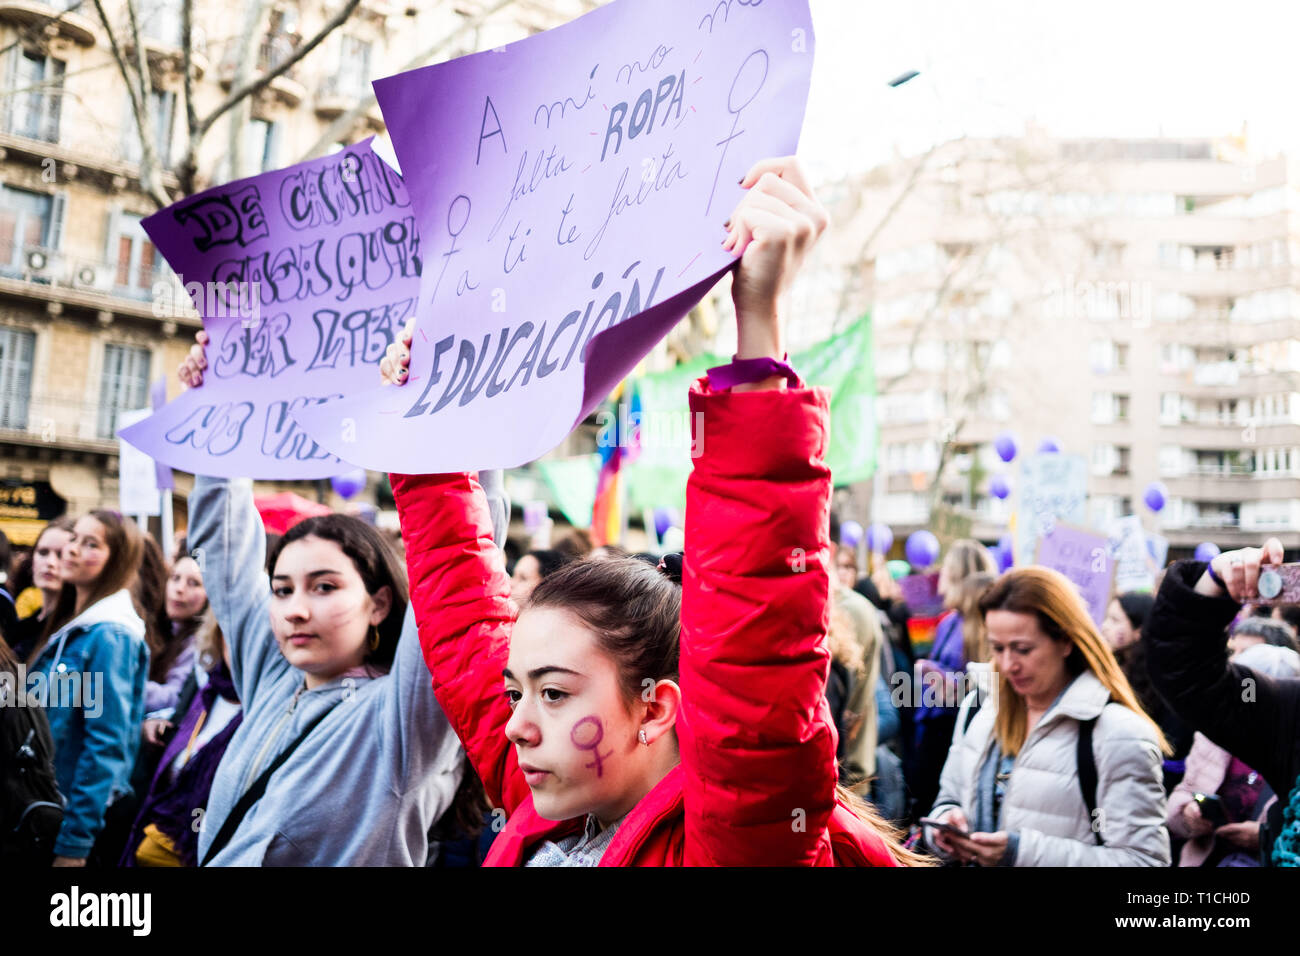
974,635
966,557
1051,598
209,641
889,834
843,644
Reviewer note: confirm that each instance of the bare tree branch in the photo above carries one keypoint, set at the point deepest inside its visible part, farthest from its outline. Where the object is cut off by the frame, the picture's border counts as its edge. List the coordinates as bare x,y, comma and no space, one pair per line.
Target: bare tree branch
150,175
273,73
344,123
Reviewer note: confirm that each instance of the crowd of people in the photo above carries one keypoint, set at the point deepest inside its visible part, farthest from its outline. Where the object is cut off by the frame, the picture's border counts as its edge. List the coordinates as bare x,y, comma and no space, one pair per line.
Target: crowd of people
323,698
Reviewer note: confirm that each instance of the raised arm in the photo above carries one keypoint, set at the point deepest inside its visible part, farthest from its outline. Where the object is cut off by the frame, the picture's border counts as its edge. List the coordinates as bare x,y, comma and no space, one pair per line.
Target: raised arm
1246,713
757,740
227,540
461,597
412,716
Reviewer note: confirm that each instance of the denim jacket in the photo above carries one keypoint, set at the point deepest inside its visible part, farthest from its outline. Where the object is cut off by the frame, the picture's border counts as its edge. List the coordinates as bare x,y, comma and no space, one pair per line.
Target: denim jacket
91,676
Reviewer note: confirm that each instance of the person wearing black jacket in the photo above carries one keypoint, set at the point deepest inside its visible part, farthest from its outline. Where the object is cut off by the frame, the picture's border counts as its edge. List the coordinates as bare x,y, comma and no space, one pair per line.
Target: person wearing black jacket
1252,716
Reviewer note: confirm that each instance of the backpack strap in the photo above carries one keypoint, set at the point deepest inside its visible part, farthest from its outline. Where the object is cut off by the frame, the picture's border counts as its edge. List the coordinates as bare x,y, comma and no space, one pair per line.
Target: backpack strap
1087,765
255,791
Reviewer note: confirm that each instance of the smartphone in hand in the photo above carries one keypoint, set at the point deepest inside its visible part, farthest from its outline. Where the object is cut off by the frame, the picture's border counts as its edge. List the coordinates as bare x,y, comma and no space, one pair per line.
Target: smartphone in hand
946,827
1211,808
1278,584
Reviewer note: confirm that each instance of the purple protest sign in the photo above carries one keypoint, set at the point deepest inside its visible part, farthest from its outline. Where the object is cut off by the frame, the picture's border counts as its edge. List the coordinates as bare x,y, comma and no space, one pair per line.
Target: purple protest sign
921,593
571,191
1085,559
163,477
303,277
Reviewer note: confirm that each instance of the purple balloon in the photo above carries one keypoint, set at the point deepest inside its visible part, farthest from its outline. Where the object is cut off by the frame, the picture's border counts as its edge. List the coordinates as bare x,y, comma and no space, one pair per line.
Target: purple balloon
851,533
1154,495
879,538
1048,446
922,549
1004,558
1205,551
1005,446
350,483
998,487
663,521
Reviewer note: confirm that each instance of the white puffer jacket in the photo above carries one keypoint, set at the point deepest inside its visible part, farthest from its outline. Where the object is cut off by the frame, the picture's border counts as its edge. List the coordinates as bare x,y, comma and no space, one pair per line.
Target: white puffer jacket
1043,802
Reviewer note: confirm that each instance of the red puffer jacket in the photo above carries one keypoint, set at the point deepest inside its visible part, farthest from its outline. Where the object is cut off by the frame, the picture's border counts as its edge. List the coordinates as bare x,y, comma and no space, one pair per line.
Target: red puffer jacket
756,782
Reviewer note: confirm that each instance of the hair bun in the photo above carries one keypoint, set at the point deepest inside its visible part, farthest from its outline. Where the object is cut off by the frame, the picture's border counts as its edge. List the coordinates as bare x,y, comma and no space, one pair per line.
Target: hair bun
670,566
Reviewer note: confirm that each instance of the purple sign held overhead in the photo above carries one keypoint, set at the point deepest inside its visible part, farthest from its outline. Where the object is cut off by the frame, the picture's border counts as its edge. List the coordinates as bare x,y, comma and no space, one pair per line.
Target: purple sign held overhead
571,191
1085,559
303,277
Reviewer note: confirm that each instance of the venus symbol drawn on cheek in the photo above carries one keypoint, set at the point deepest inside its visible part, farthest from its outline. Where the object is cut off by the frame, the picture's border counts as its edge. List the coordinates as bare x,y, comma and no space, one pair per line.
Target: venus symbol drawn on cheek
587,735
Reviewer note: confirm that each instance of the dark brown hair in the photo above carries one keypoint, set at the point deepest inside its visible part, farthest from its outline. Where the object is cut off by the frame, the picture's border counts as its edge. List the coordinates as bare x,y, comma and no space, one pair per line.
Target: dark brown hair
374,561
124,550
633,609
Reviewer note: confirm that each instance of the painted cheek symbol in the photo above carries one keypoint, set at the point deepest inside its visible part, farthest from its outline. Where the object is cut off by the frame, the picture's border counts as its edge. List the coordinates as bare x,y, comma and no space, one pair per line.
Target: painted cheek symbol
589,739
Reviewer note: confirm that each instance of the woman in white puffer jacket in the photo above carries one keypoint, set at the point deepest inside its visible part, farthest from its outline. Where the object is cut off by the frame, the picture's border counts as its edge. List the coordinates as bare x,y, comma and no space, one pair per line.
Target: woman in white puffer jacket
1012,778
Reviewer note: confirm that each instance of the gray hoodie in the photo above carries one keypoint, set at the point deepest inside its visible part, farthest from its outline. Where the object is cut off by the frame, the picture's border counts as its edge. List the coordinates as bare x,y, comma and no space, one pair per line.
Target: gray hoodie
370,780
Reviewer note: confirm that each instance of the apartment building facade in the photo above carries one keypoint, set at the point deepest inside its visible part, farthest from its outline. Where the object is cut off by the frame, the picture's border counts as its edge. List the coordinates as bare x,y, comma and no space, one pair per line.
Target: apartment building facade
82,338
1137,301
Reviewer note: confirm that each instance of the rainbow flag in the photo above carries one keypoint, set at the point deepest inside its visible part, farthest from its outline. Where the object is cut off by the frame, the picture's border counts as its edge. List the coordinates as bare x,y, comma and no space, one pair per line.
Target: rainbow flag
619,438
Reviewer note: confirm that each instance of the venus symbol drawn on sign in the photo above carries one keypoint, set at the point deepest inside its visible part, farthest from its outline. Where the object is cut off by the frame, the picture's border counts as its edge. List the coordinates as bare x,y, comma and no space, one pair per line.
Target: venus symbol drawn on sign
459,209
590,740
747,73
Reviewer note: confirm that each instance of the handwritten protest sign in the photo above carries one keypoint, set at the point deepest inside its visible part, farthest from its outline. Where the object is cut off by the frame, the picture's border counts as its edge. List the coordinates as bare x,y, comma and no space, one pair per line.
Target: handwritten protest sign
570,190
1084,558
1053,487
303,277
1134,567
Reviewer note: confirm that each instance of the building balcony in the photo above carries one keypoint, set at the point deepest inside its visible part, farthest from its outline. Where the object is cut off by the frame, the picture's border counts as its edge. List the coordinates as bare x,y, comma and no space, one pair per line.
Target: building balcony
54,16
1225,380
75,154
273,51
1233,486
53,427
64,280
1217,329
1234,435
336,96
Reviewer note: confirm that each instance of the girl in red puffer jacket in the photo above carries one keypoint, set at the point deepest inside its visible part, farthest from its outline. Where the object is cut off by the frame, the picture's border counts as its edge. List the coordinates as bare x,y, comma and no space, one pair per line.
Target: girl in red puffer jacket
602,742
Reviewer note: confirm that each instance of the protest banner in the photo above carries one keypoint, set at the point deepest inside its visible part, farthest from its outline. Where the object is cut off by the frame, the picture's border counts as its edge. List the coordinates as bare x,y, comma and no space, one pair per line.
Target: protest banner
1084,558
1158,548
1053,487
1134,568
303,277
570,190
842,364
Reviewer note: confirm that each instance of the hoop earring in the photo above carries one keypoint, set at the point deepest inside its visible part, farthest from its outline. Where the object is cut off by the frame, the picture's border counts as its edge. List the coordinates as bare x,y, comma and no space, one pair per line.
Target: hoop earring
374,637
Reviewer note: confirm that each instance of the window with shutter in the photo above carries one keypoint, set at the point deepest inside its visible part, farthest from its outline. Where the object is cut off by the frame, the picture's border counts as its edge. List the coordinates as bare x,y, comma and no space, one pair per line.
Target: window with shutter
17,349
124,385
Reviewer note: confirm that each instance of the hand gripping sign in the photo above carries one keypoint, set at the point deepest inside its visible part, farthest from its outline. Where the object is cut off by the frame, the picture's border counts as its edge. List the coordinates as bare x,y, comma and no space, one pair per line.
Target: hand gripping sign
570,190
303,277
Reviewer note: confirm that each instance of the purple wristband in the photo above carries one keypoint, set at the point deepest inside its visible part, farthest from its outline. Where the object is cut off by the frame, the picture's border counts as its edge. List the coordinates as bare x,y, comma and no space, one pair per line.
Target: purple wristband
745,371
1209,569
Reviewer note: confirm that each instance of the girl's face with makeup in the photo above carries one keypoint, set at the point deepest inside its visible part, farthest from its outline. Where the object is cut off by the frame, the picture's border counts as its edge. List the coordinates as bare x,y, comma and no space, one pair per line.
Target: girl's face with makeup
321,612
574,732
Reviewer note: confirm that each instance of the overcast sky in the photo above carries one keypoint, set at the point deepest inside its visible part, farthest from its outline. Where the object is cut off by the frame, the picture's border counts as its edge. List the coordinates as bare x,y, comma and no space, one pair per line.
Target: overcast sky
1095,68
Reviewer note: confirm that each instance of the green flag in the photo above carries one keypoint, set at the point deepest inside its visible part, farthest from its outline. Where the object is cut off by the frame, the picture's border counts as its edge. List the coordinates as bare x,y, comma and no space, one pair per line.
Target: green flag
843,364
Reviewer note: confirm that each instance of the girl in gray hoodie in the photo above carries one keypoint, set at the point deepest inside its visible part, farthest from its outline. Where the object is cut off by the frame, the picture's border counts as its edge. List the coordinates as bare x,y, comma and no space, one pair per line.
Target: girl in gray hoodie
327,664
